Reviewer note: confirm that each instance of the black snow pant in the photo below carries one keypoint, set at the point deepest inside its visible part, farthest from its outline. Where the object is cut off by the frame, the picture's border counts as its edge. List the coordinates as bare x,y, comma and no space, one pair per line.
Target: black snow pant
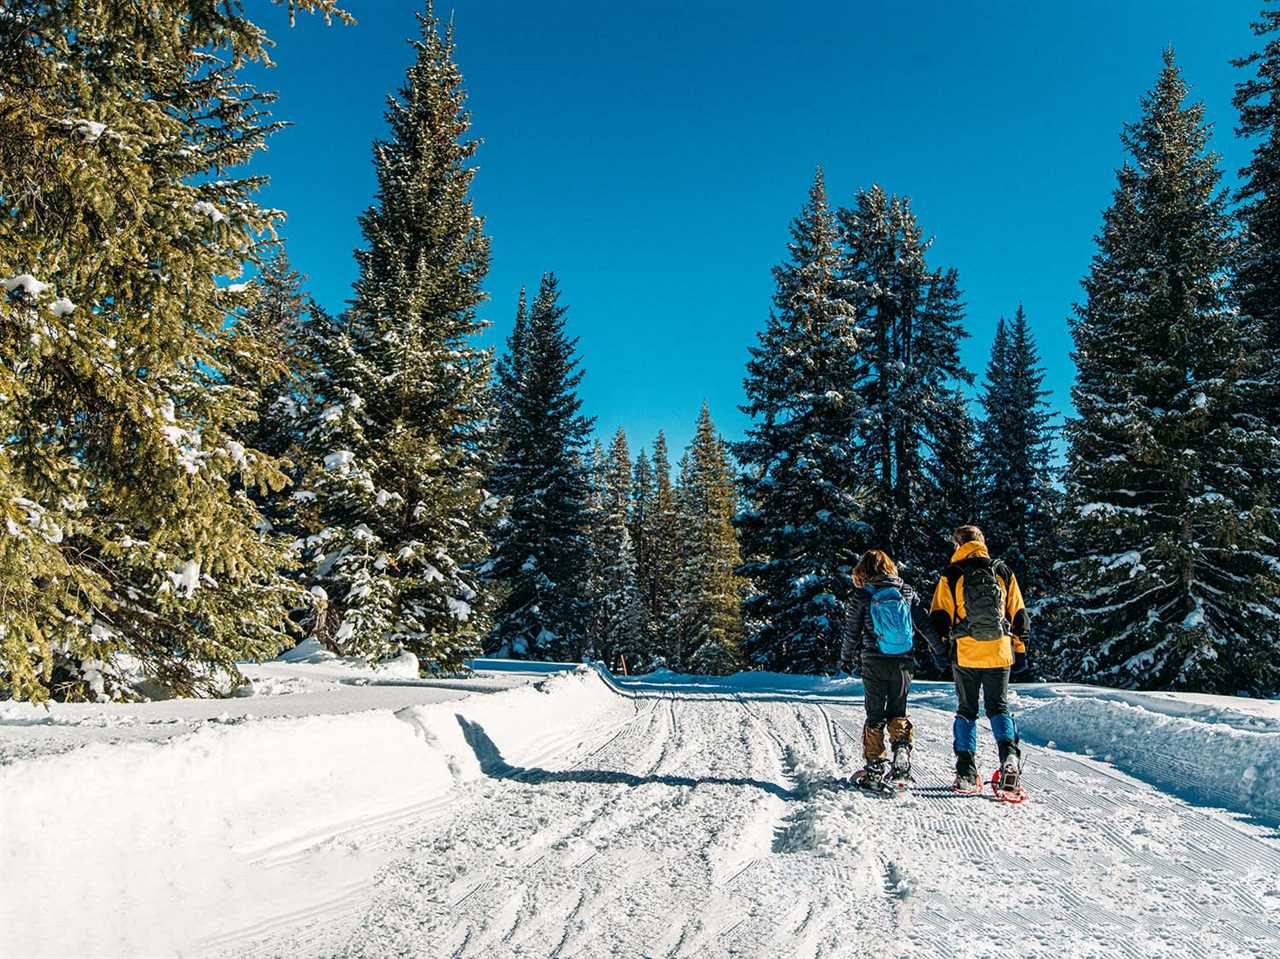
994,684
886,681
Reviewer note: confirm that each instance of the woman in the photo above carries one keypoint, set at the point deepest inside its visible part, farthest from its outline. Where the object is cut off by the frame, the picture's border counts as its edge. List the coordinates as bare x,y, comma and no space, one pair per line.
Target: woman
885,618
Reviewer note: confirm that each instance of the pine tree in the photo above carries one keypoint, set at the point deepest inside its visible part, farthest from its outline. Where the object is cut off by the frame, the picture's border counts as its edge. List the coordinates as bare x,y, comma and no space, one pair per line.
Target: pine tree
1258,101
995,447
658,576
1017,456
642,504
510,367
954,474
913,317
1257,280
1167,530
278,378
127,528
801,527
540,553
400,513
616,631
707,615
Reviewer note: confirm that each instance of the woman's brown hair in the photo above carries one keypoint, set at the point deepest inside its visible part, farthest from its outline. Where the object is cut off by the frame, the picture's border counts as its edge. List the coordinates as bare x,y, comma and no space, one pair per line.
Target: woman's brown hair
875,564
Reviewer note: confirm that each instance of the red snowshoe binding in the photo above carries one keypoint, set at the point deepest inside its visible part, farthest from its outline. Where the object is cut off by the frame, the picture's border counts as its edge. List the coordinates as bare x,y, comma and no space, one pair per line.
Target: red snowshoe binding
1006,782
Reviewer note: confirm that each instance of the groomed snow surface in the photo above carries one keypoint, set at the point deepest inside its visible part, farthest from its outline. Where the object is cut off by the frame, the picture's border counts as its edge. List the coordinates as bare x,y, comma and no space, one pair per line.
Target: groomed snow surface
578,814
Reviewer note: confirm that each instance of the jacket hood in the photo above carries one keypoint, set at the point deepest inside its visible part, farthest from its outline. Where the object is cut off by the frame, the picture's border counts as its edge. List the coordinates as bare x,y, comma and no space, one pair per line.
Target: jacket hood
970,549
885,581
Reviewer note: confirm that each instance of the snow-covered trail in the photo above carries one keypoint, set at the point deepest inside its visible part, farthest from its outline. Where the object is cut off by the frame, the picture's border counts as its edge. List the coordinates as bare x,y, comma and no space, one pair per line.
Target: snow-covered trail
697,820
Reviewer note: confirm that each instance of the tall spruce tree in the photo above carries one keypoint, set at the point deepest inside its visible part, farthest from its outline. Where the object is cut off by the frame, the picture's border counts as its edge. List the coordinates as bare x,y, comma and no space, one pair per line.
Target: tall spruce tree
279,380
1167,530
400,510
658,575
909,385
1257,280
707,615
126,524
995,451
616,630
541,548
1020,502
642,503
1258,101
509,369
801,527
954,471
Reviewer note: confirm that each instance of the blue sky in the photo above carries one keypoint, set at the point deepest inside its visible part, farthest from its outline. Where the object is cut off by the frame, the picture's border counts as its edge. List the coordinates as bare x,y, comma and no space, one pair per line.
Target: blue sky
653,154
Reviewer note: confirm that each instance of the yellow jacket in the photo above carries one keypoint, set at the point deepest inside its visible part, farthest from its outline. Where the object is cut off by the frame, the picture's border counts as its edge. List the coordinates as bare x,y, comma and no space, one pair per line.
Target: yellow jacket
948,609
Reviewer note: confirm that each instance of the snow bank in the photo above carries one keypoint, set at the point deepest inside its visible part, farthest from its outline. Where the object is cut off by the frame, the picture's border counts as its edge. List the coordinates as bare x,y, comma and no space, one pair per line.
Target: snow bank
1169,740
149,848
321,663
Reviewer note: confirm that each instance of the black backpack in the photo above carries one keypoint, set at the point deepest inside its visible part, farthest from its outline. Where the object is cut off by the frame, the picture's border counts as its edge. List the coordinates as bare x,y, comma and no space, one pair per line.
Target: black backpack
984,603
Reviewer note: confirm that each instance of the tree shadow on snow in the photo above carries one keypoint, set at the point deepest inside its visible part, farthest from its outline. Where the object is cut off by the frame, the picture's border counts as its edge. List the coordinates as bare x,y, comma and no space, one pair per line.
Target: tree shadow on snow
493,765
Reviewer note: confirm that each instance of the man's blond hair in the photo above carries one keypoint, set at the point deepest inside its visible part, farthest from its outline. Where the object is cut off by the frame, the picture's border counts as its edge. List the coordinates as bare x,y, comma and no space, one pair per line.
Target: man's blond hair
968,534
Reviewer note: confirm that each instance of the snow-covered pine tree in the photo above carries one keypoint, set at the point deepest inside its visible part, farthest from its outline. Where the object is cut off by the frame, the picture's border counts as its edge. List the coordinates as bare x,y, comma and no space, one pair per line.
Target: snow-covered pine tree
642,501
595,572
658,577
616,631
400,512
707,614
913,318
1167,530
125,525
540,552
954,473
995,452
1016,453
801,526
1257,280
278,379
1258,101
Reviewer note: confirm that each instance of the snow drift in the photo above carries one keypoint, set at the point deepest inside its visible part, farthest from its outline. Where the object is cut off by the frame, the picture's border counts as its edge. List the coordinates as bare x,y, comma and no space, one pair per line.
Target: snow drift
1203,751
151,848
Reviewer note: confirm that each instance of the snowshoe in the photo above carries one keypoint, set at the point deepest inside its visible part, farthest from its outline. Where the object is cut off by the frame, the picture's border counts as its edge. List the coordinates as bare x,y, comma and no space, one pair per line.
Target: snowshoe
900,769
1006,782
874,778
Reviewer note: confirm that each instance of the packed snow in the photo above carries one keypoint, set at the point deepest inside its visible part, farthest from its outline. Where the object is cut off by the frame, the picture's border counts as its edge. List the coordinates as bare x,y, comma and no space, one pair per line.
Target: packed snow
662,815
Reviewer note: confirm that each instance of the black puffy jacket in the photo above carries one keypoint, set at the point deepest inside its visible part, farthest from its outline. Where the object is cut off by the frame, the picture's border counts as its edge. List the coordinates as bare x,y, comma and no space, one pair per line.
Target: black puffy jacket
860,635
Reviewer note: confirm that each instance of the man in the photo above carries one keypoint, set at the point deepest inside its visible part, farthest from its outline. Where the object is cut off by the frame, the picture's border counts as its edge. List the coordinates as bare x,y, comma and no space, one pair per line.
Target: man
978,610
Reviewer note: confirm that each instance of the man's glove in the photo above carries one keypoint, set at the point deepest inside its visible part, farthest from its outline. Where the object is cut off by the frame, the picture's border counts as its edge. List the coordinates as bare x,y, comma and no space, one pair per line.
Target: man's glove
1019,660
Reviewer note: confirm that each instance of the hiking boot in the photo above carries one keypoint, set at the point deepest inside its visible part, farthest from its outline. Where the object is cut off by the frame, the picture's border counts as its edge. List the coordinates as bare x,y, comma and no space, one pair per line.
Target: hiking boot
967,780
1010,754
873,772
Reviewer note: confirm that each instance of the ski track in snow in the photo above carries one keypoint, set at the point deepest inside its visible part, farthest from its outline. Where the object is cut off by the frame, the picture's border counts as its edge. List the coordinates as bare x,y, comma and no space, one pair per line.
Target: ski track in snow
695,822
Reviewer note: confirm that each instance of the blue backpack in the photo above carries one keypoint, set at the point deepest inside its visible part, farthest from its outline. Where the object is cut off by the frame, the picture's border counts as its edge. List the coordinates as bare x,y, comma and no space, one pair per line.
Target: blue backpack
891,620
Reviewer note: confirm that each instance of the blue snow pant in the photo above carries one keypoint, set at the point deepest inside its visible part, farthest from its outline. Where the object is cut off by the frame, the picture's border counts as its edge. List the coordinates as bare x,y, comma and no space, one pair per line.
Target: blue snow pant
994,687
